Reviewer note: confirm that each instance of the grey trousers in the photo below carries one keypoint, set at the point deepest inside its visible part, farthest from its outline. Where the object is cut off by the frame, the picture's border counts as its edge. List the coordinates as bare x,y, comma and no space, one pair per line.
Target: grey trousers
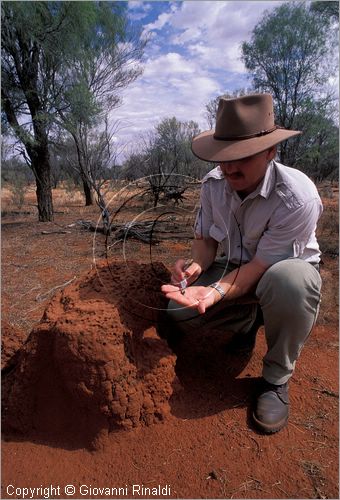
289,295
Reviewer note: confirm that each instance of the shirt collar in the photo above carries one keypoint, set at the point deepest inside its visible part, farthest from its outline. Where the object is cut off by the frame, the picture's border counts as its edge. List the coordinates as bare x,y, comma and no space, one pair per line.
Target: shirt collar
268,183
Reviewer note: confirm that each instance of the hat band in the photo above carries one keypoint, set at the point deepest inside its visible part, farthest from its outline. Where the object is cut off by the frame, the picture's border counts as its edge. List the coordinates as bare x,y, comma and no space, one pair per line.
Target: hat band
250,136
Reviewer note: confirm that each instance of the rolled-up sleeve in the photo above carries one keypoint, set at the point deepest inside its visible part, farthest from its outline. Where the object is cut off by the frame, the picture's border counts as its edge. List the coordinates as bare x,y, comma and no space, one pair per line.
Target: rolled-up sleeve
288,232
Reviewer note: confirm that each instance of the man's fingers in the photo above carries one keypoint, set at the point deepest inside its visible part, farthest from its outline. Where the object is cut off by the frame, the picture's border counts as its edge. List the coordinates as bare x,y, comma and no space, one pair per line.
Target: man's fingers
192,271
169,288
201,307
183,269
178,272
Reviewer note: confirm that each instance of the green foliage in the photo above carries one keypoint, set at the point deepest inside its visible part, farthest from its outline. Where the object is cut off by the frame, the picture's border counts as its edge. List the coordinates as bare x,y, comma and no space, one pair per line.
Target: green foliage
291,55
327,9
106,61
172,143
286,56
319,143
168,150
38,38
62,63
82,106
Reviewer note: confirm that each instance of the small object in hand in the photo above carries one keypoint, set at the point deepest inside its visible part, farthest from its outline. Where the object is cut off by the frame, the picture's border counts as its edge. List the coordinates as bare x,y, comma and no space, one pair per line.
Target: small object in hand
182,285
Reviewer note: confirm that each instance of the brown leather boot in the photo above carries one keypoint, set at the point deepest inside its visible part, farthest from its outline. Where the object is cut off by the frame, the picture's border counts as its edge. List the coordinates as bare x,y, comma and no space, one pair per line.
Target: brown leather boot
272,407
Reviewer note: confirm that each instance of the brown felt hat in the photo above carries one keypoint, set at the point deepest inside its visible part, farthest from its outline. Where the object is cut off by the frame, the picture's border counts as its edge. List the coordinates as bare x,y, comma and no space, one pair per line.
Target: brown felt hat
244,127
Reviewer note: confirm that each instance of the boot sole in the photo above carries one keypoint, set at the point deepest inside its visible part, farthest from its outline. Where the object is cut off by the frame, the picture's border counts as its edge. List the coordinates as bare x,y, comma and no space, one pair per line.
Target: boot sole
270,428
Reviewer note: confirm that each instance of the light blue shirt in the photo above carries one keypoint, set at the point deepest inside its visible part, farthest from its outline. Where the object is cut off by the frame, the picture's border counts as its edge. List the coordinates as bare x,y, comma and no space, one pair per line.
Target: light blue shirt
277,221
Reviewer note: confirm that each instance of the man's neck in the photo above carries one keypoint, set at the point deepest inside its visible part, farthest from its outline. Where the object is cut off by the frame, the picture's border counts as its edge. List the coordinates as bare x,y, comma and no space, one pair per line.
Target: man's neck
242,194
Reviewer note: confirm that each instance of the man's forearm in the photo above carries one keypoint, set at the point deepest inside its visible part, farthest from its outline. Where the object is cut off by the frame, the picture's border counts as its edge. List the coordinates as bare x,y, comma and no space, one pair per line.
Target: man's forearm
203,252
242,280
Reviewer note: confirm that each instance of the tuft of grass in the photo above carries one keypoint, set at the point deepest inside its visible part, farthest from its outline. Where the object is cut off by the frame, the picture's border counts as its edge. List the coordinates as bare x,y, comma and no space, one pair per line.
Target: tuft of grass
314,471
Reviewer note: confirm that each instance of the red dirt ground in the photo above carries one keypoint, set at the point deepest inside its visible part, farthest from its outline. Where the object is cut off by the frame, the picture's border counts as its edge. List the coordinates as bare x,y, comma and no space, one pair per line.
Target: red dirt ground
205,447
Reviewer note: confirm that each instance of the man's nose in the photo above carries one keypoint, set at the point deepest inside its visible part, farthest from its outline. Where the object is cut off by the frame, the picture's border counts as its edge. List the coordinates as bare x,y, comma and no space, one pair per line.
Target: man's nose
229,167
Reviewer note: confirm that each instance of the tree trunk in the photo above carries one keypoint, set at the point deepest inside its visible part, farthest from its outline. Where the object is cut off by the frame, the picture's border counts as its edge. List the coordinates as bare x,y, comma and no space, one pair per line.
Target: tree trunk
42,172
88,193
87,188
38,154
45,205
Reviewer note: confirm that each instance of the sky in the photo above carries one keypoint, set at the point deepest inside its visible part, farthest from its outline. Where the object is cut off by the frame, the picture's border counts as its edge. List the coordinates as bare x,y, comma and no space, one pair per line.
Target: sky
193,56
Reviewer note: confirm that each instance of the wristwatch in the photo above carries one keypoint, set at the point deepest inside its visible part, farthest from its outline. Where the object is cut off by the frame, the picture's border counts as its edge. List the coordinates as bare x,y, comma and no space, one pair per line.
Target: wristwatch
218,288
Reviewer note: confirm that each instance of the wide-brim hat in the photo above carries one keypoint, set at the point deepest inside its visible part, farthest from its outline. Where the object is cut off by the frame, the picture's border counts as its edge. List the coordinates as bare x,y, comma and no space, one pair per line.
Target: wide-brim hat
244,127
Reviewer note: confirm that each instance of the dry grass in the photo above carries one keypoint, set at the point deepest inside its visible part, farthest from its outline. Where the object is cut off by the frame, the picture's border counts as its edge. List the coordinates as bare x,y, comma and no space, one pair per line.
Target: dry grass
315,473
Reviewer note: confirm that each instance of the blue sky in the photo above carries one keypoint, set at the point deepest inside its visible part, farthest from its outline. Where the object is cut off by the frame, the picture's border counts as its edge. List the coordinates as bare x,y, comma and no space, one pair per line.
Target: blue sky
193,56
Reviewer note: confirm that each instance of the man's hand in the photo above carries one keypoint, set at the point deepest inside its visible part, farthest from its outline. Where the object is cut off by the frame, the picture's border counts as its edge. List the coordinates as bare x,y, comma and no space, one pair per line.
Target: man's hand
235,284
196,297
182,271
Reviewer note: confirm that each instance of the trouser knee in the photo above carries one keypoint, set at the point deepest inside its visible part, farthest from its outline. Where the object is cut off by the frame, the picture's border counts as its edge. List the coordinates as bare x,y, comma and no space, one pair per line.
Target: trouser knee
290,285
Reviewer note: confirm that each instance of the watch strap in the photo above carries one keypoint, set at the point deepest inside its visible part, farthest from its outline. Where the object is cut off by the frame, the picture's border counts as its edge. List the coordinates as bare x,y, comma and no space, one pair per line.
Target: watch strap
218,288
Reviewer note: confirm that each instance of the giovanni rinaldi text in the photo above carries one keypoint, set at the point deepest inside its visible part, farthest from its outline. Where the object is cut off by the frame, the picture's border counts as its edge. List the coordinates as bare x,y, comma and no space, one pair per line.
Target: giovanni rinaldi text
70,490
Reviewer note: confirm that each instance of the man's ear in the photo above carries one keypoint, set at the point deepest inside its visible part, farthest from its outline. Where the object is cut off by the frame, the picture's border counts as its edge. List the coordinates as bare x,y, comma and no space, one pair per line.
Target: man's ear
272,153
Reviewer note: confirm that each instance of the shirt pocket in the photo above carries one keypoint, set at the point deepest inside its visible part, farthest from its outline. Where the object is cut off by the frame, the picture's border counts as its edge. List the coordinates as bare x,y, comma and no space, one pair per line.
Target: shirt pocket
216,233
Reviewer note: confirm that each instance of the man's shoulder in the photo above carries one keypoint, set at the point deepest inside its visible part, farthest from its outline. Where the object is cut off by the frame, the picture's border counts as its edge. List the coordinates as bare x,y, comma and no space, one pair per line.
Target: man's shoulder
293,186
292,176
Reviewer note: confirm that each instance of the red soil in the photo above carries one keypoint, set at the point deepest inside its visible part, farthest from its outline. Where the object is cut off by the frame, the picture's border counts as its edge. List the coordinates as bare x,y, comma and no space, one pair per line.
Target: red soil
96,355
203,444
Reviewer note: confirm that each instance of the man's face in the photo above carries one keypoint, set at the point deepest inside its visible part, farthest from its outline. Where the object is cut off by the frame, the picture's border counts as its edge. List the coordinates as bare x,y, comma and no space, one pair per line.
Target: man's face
245,175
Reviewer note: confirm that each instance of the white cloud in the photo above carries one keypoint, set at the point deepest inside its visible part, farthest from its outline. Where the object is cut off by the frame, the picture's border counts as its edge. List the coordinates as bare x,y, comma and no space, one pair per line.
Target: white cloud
139,5
142,7
213,31
193,56
160,22
169,64
170,86
137,16
188,35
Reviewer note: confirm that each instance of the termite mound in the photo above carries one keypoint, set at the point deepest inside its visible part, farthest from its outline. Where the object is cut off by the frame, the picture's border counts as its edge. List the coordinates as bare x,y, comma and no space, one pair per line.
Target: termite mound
95,363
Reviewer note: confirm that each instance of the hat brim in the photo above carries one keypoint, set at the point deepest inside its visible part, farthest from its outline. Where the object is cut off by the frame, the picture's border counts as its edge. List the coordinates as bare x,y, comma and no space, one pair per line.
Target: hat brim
205,147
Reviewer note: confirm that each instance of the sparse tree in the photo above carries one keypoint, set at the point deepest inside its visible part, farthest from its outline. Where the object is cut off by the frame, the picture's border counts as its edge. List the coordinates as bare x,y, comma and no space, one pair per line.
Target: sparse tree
104,66
319,145
291,56
99,157
41,45
35,39
166,159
